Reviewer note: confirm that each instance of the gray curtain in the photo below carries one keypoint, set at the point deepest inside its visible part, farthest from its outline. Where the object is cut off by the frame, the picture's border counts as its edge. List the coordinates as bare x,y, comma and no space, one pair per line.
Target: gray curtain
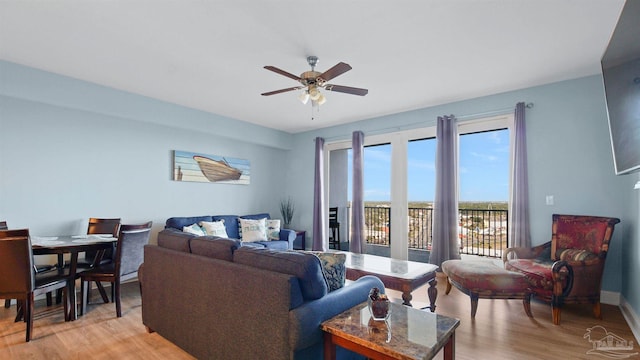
519,234
357,208
319,222
445,208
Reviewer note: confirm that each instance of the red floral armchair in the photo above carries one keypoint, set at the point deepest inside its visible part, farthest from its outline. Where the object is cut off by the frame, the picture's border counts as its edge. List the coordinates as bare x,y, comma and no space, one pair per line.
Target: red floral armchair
568,269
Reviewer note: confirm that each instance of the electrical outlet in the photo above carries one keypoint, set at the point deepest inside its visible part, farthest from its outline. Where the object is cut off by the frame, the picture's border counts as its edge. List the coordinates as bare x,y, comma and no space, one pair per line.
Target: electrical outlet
549,199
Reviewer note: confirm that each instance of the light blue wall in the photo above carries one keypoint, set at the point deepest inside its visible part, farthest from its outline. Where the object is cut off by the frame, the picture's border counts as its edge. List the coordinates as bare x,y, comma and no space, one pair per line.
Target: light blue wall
70,150
569,157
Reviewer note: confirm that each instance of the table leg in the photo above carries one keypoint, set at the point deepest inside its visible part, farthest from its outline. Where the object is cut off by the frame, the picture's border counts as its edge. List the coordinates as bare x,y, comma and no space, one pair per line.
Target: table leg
450,347
73,303
329,347
433,294
406,297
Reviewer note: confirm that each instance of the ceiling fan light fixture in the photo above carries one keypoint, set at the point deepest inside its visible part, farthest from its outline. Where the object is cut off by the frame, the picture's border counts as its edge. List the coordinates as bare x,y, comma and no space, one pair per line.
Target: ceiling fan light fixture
314,93
321,99
304,97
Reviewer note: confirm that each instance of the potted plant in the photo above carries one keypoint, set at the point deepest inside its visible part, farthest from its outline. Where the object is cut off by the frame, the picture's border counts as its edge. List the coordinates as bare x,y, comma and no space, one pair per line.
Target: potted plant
286,210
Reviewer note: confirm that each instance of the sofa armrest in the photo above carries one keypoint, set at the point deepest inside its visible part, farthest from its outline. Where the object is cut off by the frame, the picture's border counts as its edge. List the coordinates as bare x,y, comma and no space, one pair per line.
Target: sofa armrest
288,236
305,320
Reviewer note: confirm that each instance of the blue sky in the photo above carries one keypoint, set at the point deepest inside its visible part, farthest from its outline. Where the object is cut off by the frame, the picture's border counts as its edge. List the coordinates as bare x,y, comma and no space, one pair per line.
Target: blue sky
484,169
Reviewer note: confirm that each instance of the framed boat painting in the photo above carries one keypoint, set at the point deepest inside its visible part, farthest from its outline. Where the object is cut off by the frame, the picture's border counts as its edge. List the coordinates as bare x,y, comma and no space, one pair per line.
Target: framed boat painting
189,166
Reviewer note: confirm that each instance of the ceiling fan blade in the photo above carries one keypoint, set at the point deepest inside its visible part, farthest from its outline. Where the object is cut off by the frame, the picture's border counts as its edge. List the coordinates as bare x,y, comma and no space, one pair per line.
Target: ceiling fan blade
281,90
347,89
282,72
338,69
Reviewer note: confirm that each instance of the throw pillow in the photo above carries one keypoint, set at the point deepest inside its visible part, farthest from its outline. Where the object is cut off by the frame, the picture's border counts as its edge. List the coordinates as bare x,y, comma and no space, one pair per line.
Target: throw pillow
193,229
214,228
273,229
253,230
575,255
333,268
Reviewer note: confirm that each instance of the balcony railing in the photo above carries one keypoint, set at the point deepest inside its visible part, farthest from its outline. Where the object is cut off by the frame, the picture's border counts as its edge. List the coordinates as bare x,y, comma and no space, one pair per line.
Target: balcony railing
481,232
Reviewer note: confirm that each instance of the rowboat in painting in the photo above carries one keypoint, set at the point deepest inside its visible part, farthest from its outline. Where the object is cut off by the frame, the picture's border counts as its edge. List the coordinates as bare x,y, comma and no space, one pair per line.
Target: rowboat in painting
217,170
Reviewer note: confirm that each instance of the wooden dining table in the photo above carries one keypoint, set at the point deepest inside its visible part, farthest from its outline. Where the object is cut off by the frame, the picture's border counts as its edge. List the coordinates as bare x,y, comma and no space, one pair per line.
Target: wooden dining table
60,245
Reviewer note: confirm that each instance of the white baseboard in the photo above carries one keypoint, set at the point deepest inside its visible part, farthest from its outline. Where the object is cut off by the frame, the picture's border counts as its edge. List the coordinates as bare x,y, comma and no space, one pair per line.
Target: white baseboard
610,297
633,320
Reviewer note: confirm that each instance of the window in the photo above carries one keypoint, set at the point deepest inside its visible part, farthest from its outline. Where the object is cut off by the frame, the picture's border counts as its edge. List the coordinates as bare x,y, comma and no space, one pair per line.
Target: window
399,181
484,161
421,185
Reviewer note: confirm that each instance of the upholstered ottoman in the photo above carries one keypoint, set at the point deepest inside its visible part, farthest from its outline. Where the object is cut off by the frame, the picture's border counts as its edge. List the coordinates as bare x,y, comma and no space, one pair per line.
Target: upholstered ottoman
483,279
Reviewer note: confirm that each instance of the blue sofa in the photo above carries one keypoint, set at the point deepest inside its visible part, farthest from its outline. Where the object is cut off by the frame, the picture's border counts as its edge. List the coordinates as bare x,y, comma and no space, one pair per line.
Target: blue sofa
174,225
216,300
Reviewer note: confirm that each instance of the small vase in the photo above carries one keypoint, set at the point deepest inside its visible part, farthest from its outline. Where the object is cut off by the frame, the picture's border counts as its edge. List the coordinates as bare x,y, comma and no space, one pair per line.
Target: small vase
380,309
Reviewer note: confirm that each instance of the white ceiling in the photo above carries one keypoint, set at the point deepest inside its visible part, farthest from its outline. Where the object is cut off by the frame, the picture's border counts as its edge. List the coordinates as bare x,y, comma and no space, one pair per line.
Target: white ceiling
209,55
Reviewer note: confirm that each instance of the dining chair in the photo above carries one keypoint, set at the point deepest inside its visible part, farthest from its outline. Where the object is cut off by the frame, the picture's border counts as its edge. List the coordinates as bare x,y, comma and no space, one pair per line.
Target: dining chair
3,226
128,257
21,282
334,228
99,226
96,226
38,268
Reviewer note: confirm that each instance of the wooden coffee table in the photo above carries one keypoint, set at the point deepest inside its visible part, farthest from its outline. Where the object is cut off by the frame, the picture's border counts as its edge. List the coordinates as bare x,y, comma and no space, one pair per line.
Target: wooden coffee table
399,275
408,333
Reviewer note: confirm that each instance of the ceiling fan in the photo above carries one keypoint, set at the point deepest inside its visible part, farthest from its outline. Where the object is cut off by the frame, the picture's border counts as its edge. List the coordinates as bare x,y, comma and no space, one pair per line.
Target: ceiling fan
313,80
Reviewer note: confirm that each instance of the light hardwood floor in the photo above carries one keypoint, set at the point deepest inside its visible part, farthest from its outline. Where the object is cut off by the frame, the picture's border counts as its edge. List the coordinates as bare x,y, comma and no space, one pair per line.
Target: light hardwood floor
501,330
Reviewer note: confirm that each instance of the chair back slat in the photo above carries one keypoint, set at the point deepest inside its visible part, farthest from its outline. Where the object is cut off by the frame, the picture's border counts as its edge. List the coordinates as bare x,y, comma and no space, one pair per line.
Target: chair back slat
333,214
16,263
103,226
3,225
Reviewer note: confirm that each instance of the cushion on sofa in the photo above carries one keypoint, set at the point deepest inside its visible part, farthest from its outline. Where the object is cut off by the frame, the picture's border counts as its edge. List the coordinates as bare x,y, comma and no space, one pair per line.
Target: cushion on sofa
333,268
253,230
180,222
269,244
305,267
174,239
214,228
230,223
251,217
219,248
194,229
273,229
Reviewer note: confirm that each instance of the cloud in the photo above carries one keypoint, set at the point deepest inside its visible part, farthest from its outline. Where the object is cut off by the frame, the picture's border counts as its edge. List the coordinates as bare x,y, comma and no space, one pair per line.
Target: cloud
494,136
421,164
377,155
376,194
485,157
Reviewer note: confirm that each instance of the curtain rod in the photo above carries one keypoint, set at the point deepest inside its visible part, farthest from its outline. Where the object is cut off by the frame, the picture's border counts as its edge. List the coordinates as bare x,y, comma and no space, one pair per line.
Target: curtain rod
415,125
491,113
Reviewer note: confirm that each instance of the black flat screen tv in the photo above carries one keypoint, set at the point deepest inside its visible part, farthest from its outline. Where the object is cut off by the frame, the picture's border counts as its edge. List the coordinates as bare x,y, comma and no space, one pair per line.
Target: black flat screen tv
621,75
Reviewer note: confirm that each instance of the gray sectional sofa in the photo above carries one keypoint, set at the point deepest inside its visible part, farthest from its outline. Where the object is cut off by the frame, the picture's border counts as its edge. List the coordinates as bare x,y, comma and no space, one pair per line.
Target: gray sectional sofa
173,229
219,300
